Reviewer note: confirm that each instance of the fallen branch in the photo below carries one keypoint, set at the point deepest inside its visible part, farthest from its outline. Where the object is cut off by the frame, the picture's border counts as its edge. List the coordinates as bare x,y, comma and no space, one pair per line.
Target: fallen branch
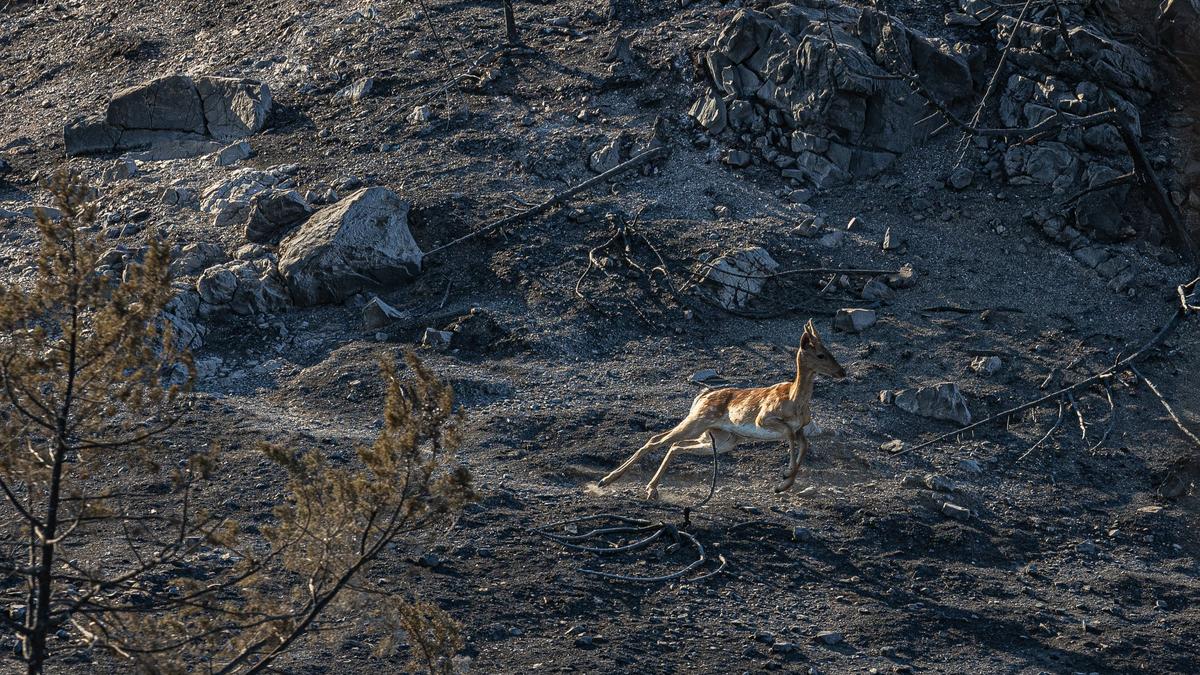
1045,436
1181,312
556,199
652,531
1170,411
1112,418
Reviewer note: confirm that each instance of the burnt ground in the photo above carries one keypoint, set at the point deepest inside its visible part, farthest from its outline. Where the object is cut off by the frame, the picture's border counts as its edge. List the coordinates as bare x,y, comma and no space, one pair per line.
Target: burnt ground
1070,560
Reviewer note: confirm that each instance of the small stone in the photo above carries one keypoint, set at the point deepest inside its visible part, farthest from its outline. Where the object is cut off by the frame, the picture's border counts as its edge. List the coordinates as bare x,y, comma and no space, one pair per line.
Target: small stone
722,212
938,483
829,637
913,482
802,534
606,158
764,637
585,642
952,510
783,648
232,154
833,239
986,365
801,196
893,446
942,401
891,242
121,170
877,291
1087,547
960,19
436,339
960,178
970,466
853,320
420,114
377,314
705,375
359,90
737,158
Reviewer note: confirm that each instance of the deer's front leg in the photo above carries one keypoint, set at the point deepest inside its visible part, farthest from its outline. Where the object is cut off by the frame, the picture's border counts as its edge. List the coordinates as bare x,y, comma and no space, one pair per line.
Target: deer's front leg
798,446
785,432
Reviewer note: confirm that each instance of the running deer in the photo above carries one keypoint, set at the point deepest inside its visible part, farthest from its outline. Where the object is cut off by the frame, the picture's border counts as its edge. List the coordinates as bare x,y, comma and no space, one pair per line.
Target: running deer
775,413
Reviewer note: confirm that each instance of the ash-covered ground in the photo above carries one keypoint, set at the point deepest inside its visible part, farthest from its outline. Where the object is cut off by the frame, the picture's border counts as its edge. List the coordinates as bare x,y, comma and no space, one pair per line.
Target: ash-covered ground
787,133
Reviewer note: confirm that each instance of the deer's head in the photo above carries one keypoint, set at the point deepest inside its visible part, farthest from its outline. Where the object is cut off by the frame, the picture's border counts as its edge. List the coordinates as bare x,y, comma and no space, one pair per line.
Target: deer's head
815,357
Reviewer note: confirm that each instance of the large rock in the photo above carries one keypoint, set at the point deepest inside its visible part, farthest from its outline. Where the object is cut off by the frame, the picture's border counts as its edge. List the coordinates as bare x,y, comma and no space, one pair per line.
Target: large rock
815,73
166,104
243,287
230,199
185,116
183,313
233,108
737,277
1179,27
361,243
940,401
273,213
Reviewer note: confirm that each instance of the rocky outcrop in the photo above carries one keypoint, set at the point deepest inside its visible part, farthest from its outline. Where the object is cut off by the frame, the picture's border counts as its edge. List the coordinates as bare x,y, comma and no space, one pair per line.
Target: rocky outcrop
179,115
361,243
810,83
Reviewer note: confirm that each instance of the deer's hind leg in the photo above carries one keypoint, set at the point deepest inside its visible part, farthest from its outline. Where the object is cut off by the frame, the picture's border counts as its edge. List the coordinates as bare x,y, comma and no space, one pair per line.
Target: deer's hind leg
723,440
690,428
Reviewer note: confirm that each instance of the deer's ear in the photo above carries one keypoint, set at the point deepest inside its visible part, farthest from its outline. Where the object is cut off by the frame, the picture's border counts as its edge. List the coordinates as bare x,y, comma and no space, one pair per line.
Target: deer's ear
809,328
806,341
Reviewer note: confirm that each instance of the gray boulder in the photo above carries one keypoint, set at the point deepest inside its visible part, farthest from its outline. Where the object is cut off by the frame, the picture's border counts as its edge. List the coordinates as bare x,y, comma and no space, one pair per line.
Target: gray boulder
233,108
166,104
230,199
360,243
274,212
177,115
854,320
243,287
183,313
737,277
196,257
940,401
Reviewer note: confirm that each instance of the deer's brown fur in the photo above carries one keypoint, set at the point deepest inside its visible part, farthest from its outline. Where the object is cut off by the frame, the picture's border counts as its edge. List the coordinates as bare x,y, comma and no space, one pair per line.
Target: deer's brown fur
725,416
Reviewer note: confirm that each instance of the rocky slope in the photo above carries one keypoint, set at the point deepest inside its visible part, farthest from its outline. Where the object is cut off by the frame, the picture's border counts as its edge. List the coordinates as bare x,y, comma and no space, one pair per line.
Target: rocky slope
306,159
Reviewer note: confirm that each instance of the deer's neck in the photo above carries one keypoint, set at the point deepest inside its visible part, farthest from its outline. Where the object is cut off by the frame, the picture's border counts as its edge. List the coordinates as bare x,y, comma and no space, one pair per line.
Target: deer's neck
802,386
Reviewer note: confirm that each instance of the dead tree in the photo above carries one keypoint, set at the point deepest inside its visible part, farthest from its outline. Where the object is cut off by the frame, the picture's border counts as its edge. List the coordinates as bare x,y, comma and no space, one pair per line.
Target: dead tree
510,24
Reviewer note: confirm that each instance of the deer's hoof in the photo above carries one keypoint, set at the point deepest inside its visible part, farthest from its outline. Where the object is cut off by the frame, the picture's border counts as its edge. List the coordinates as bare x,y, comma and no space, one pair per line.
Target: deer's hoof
652,493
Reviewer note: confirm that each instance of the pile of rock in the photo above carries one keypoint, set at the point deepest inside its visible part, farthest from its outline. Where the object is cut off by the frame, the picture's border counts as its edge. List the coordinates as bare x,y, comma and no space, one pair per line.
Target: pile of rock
176,116
244,287
1081,72
264,203
809,85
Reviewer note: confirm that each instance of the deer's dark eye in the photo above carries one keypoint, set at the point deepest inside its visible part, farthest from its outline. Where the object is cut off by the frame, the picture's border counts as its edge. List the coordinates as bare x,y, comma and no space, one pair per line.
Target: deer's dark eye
820,356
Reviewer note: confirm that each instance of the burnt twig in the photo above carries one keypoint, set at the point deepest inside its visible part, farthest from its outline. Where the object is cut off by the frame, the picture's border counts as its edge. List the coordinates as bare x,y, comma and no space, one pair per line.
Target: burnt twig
556,199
